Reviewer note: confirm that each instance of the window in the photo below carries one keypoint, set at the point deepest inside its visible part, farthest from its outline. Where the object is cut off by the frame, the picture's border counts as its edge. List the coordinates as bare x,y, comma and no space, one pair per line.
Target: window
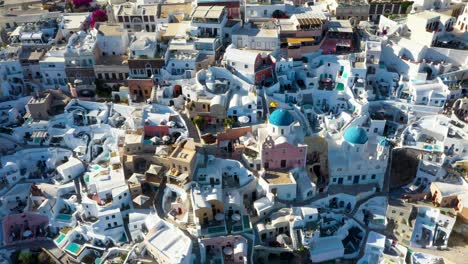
109,225
376,130
107,218
363,177
246,66
373,177
113,216
334,179
265,12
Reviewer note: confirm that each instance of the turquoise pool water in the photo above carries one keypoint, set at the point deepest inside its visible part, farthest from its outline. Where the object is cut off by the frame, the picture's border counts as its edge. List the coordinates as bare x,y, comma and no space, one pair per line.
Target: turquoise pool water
73,248
96,167
60,238
65,217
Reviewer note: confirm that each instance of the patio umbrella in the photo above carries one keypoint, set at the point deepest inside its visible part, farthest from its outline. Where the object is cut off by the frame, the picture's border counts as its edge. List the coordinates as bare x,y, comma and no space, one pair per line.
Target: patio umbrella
283,239
244,119
166,138
155,139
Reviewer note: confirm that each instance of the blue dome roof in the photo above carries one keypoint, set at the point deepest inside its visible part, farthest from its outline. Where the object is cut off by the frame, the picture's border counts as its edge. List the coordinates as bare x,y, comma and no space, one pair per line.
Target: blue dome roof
281,117
355,135
384,142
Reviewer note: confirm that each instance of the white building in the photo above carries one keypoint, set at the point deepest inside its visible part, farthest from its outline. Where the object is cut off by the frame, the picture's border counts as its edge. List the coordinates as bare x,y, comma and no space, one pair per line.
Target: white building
432,93
256,38
326,248
256,10
167,244
281,184
80,57
111,39
210,21
428,27
70,24
182,58
11,72
70,169
359,157
462,20
250,65
432,228
137,17
52,67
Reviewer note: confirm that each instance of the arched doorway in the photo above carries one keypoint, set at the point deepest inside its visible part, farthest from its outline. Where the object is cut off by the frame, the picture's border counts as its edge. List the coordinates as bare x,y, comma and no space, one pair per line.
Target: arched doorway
428,70
177,90
278,14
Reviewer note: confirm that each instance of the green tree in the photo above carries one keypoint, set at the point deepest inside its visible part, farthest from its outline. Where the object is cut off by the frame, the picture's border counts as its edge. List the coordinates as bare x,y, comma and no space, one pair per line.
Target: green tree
101,89
199,121
229,122
43,258
26,257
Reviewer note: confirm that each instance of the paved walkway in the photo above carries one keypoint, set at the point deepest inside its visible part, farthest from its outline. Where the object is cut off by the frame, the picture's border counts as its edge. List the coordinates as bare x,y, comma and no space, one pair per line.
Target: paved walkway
192,130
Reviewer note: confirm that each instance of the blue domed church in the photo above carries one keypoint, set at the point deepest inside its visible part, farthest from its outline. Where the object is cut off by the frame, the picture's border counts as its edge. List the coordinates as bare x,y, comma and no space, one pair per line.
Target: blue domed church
360,157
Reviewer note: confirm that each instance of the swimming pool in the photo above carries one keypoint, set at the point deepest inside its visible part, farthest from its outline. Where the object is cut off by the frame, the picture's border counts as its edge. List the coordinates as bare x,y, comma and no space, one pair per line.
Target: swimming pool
73,248
60,238
65,217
